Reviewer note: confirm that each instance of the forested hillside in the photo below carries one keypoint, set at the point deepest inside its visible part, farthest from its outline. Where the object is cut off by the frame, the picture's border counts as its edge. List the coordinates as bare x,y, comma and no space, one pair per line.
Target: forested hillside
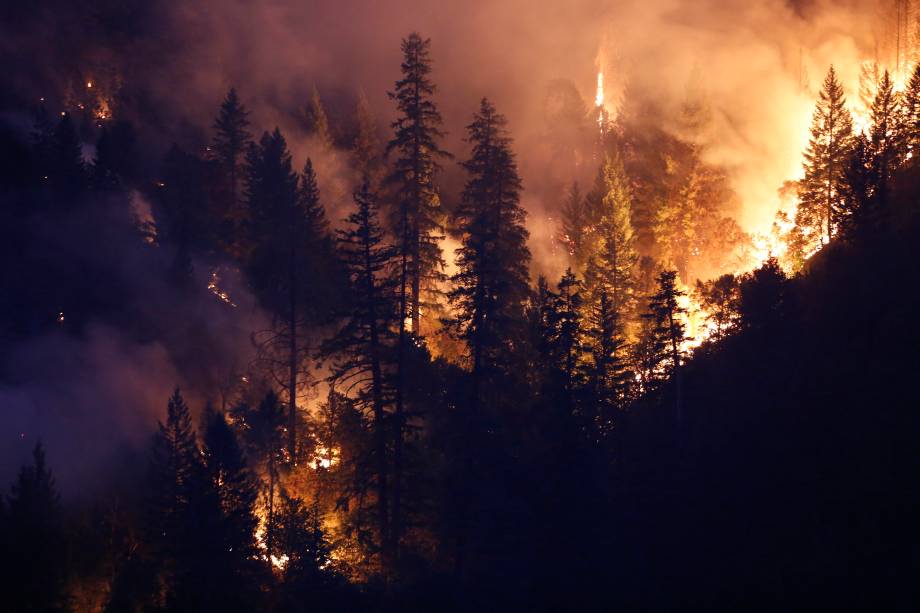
327,355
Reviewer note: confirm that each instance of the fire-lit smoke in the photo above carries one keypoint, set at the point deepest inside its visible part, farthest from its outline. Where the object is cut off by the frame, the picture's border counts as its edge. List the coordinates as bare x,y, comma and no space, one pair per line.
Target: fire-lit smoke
759,63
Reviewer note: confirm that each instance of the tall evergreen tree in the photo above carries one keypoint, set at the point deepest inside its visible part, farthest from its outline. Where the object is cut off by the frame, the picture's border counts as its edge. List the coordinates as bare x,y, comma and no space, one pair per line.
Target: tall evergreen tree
667,333
289,266
318,122
541,318
416,132
303,544
176,502
228,149
488,295
491,283
416,216
364,347
229,477
575,227
885,139
911,110
262,431
612,268
174,469
830,143
366,148
857,215
566,339
35,556
608,372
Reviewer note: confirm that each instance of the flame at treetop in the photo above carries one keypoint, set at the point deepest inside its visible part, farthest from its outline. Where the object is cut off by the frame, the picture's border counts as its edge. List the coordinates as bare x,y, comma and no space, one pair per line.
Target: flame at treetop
599,96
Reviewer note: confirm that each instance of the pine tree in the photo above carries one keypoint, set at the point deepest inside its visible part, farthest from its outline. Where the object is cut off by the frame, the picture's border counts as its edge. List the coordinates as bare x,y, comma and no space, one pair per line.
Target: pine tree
228,150
364,346
569,326
885,139
174,468
608,373
416,133
230,478
304,546
911,110
222,568
176,504
318,122
291,265
869,79
691,213
667,333
576,227
612,267
491,284
416,218
565,341
366,148
262,430
541,318
857,215
829,146
35,566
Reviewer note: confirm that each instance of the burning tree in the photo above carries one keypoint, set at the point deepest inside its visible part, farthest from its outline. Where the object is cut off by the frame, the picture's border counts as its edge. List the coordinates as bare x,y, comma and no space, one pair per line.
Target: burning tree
292,265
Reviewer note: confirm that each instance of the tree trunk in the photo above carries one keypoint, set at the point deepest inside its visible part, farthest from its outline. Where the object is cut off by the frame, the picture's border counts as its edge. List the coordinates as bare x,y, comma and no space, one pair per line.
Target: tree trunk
292,367
678,384
269,529
380,435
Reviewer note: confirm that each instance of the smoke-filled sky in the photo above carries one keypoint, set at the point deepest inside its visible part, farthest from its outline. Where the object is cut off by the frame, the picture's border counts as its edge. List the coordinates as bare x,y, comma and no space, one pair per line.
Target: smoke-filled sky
758,63
749,57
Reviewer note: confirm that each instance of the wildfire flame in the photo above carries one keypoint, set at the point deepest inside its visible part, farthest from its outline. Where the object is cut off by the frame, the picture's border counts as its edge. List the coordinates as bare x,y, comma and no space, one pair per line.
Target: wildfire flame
325,457
215,289
599,96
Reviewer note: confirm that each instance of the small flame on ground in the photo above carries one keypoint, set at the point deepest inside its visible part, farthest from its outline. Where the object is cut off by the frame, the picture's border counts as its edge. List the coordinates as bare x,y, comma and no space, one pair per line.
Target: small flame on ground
214,288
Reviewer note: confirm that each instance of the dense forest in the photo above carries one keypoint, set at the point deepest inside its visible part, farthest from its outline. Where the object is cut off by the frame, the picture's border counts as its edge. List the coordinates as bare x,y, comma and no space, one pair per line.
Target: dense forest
420,419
